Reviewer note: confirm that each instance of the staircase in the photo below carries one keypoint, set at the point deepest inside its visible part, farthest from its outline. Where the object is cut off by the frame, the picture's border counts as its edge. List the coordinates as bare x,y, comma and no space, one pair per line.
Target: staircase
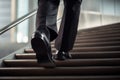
96,56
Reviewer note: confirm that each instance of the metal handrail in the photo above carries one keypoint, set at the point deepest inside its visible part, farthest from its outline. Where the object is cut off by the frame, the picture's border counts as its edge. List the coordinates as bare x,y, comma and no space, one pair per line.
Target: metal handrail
14,23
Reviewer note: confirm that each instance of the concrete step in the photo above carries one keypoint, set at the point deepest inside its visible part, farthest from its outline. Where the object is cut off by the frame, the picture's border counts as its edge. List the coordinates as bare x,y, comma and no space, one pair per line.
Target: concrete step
76,55
103,28
92,44
110,39
61,71
66,63
85,49
89,33
98,36
94,41
109,77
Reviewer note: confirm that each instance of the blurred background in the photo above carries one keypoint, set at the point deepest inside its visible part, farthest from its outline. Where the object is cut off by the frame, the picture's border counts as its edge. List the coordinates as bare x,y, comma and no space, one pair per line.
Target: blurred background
94,13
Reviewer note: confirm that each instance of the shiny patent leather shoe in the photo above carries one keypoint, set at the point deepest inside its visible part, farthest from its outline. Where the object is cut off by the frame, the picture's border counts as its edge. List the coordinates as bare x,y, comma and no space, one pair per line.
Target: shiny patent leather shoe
41,46
61,55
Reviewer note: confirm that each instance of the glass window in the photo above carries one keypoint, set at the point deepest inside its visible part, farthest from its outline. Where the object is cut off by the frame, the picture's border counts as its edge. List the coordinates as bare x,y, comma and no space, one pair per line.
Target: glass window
117,7
108,7
5,18
22,29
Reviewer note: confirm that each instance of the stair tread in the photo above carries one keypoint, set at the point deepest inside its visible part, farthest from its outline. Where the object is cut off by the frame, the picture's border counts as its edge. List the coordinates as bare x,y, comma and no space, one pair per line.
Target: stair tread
86,47
104,54
92,43
83,49
35,71
98,33
104,38
66,63
96,47
96,39
101,28
97,42
110,77
80,44
79,38
58,68
102,59
100,36
74,53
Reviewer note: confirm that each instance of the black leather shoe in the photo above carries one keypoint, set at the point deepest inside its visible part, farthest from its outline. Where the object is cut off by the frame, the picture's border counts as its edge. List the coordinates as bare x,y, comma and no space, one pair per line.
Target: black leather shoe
61,55
41,45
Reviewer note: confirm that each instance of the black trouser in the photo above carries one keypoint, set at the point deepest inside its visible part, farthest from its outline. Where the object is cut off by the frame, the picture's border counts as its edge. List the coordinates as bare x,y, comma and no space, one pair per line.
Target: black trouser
47,16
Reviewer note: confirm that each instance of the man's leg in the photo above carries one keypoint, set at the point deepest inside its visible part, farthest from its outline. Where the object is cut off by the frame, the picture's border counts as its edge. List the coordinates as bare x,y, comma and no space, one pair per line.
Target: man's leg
41,39
68,29
51,18
47,15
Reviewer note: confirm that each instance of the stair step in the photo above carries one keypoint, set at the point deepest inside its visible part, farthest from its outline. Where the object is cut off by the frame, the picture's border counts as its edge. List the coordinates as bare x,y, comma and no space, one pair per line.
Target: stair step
109,77
100,29
98,36
85,49
97,40
75,55
62,71
66,63
31,50
103,28
81,44
112,43
89,33
104,39
96,48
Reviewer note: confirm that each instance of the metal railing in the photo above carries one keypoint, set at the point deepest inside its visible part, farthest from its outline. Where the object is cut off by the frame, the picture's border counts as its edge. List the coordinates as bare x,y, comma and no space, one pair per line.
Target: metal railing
14,23
18,21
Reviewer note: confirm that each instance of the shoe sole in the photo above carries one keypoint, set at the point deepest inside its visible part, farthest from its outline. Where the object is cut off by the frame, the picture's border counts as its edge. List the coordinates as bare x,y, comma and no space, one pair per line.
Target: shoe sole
41,49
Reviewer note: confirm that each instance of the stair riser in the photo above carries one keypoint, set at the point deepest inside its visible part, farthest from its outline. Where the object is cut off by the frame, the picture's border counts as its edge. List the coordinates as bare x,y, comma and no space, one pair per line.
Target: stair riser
89,40
96,44
94,49
77,56
106,28
85,49
92,44
97,40
71,63
62,71
99,33
63,78
89,56
98,36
